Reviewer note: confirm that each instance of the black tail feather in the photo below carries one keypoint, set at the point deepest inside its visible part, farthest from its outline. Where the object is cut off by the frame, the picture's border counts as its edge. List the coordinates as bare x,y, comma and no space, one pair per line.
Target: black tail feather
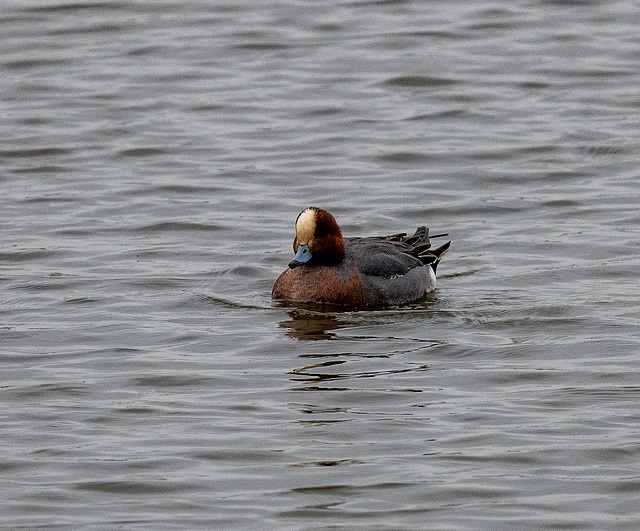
439,252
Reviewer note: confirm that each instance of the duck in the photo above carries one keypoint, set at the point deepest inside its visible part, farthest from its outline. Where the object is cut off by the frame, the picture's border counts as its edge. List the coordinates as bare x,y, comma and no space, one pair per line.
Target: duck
328,269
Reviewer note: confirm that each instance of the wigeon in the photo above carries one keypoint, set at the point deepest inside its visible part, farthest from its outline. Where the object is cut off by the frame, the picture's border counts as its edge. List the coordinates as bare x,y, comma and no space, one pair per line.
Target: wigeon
355,272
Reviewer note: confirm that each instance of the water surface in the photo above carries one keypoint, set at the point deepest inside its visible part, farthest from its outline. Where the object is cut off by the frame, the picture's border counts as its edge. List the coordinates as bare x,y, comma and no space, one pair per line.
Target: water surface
154,158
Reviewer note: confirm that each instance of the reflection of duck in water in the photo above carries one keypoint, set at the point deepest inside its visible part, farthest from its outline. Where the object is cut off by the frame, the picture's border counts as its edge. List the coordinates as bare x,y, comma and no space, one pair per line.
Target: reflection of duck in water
312,326
378,270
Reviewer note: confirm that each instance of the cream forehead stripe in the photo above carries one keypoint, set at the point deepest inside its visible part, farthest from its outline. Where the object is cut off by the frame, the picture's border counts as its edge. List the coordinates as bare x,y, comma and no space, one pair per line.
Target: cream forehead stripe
306,226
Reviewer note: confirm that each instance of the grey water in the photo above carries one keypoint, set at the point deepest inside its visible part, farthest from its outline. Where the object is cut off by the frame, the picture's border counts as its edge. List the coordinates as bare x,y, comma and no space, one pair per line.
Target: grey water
153,158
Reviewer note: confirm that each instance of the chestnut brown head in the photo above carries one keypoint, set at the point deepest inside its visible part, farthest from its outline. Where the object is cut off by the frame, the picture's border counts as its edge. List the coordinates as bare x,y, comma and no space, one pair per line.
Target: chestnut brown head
318,239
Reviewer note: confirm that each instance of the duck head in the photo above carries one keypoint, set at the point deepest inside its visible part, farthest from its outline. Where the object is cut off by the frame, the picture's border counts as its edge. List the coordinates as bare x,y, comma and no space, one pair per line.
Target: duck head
318,239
